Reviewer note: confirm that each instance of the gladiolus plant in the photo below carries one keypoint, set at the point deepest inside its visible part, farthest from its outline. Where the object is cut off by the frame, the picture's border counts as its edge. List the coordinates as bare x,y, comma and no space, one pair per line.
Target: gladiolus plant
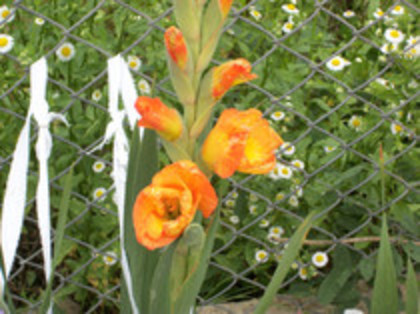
172,214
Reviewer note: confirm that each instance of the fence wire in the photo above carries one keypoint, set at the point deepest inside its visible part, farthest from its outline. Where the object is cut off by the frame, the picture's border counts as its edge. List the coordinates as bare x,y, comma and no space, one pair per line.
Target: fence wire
29,260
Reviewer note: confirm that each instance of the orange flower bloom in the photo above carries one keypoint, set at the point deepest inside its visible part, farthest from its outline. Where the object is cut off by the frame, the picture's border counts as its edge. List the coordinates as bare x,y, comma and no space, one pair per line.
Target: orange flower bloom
241,141
230,74
167,206
225,6
156,115
176,47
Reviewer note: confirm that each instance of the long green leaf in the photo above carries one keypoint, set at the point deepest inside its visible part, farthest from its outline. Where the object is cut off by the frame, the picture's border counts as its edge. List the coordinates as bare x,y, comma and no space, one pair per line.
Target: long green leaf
160,287
191,287
142,165
412,292
283,267
59,235
385,293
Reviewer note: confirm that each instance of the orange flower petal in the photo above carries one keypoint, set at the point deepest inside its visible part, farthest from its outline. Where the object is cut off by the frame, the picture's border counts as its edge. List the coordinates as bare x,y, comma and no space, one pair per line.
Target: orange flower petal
176,47
225,6
230,74
241,141
167,206
157,116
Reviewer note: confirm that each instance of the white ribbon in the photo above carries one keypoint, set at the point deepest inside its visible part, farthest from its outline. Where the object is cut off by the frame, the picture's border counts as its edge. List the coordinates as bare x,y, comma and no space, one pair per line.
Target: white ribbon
15,195
121,81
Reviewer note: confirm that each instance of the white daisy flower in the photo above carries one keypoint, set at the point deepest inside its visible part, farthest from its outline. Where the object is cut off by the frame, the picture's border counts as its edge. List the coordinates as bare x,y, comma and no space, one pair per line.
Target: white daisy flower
348,14
413,84
398,10
134,63
255,14
98,194
353,311
413,52
39,21
379,13
413,40
394,36
261,256
337,63
230,203
384,82
387,48
279,196
281,171
98,166
303,273
110,258
329,149
290,8
234,219
234,194
277,115
299,164
253,209
396,128
6,13
144,87
293,201
276,230
355,122
65,52
320,259
287,149
253,197
288,26
358,60
96,95
264,223
6,43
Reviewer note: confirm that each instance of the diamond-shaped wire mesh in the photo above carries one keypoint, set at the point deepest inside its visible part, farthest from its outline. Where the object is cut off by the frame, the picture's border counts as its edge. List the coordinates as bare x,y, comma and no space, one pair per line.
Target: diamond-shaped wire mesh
340,182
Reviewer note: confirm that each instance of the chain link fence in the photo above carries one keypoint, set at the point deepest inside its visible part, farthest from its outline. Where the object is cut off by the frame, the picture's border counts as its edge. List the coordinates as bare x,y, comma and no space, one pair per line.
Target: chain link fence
29,262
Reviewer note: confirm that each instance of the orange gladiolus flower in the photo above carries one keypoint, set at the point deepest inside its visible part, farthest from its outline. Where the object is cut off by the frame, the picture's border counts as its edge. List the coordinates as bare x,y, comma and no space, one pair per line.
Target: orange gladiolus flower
230,74
157,116
225,6
167,206
176,47
241,141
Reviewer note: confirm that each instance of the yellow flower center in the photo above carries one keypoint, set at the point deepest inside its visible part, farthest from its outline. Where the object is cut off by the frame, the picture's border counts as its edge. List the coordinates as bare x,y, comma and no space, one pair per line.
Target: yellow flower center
380,12
5,13
319,258
285,171
279,197
109,259
356,123
397,8
261,255
291,7
98,166
133,64
397,128
278,114
289,25
66,51
3,41
394,33
99,193
335,62
303,272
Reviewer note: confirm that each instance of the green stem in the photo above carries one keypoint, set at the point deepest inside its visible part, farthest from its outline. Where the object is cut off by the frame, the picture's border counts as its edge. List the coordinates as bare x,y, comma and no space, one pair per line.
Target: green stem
382,172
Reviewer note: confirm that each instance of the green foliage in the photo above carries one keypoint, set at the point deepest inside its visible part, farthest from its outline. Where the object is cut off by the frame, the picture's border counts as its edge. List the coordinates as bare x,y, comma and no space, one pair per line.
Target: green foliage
385,291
